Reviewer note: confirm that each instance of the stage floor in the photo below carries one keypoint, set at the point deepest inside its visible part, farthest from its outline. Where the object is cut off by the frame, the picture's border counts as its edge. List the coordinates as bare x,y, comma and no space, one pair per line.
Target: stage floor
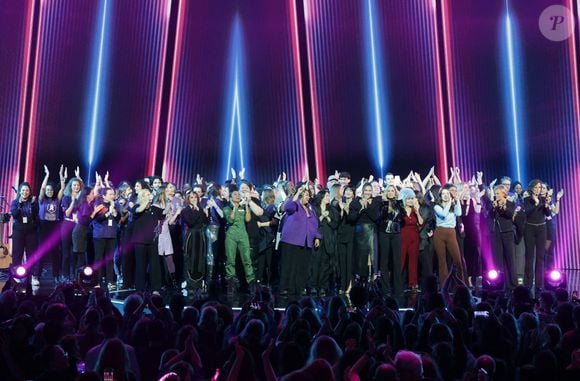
240,299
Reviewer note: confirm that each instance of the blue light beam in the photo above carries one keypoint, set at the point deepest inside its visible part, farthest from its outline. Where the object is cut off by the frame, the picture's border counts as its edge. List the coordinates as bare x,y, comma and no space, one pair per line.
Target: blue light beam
236,125
97,90
379,136
512,97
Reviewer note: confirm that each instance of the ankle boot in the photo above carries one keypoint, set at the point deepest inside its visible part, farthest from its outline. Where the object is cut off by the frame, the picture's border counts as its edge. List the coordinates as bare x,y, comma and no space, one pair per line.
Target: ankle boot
173,281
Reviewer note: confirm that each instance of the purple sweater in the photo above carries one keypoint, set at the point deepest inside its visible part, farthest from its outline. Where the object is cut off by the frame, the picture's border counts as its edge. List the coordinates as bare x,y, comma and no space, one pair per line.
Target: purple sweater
299,229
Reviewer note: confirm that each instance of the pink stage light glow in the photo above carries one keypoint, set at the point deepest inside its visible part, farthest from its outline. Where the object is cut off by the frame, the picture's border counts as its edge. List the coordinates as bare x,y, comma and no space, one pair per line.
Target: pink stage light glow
88,271
555,275
21,271
492,274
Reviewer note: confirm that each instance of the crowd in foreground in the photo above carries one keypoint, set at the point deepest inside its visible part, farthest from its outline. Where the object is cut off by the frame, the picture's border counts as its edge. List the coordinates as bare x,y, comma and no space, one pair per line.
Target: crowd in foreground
79,334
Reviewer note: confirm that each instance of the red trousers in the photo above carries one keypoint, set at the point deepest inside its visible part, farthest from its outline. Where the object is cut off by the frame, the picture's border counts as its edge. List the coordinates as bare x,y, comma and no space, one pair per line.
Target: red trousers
410,252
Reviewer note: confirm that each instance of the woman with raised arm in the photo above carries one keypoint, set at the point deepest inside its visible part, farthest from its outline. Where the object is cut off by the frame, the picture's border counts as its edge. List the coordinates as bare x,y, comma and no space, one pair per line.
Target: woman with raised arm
300,235
344,234
24,211
324,264
164,241
537,208
126,254
364,212
146,217
390,219
447,209
501,212
106,216
70,195
49,216
237,214
83,208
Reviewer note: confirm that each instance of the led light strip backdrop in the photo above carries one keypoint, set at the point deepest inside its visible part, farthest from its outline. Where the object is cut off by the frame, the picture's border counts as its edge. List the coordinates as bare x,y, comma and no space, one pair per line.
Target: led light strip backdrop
513,102
235,96
96,87
375,84
16,23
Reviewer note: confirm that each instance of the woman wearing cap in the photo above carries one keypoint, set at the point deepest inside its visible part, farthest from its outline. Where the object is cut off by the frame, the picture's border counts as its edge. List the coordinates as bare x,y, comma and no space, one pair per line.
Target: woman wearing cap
410,225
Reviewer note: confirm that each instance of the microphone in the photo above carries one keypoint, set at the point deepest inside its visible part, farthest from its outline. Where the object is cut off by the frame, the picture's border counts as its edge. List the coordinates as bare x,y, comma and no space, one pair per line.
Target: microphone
14,189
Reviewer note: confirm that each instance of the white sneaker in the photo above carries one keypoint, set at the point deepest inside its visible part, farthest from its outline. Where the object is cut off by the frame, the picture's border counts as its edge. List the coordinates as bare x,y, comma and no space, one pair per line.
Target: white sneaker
35,281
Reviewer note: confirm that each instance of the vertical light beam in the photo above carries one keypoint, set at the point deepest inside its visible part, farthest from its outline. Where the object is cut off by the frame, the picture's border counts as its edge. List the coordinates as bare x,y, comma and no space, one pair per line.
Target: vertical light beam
159,95
380,135
309,16
237,123
378,121
98,90
512,96
169,154
31,146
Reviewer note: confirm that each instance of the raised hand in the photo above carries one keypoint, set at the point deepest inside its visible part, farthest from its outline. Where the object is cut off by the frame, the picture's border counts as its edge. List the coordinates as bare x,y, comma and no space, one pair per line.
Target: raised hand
560,194
242,173
284,176
233,172
46,171
77,172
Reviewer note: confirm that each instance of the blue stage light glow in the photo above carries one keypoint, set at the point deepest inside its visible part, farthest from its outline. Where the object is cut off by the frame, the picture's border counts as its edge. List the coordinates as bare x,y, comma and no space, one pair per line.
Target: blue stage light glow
235,107
377,100
513,98
97,91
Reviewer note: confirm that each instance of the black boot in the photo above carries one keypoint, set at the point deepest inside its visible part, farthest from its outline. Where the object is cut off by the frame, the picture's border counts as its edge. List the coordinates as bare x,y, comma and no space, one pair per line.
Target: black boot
231,288
173,281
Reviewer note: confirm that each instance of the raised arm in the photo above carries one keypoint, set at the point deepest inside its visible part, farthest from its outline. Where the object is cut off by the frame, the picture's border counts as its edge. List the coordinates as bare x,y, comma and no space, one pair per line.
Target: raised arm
44,184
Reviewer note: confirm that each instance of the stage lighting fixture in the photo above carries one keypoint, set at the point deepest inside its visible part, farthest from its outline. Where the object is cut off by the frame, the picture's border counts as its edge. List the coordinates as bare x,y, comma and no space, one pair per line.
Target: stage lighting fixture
494,280
19,280
86,277
19,273
555,279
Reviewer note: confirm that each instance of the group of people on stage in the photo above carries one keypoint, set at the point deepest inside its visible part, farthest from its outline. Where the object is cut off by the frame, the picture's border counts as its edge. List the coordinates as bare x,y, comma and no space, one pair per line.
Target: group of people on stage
299,238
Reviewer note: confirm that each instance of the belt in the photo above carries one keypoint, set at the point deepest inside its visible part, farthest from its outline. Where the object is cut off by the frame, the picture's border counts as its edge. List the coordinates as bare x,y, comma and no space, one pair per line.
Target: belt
529,223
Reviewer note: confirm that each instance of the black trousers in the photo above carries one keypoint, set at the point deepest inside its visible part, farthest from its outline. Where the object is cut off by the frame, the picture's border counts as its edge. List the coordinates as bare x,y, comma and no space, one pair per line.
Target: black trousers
49,237
535,240
295,264
127,254
426,260
66,229
321,268
147,261
390,257
504,256
264,265
104,253
345,263
25,241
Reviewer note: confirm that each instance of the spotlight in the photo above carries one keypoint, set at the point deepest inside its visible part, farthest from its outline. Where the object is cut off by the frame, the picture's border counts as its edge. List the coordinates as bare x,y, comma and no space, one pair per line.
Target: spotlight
19,273
86,277
87,271
19,281
494,281
555,279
